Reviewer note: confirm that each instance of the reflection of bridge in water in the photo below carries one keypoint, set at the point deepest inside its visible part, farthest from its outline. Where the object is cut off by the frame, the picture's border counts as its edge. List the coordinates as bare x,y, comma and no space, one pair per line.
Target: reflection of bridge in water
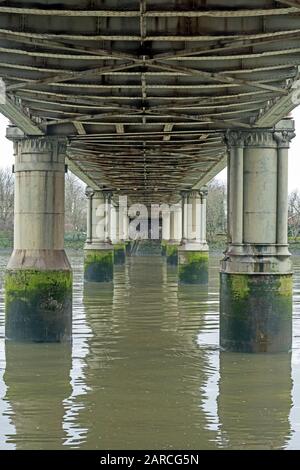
151,101
139,379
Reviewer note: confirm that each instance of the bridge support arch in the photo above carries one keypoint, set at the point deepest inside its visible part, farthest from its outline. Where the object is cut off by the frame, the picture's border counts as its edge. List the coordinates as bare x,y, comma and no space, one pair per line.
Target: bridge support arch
256,272
38,278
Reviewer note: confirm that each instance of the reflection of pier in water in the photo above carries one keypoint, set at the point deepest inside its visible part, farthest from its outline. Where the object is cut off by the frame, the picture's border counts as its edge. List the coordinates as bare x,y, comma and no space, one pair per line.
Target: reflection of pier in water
37,378
146,372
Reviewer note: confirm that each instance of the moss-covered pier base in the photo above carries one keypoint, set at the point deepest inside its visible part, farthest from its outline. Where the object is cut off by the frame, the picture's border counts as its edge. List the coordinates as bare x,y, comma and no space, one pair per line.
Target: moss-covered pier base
38,278
119,253
256,272
192,266
99,264
256,312
38,305
172,254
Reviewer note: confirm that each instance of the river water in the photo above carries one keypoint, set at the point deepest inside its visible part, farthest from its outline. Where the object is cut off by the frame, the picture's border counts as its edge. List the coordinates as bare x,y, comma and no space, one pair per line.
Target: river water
145,372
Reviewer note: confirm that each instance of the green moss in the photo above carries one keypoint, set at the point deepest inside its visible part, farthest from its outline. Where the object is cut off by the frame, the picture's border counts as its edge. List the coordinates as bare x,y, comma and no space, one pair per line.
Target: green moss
98,265
38,305
286,286
193,267
163,246
239,286
119,253
256,312
26,283
172,254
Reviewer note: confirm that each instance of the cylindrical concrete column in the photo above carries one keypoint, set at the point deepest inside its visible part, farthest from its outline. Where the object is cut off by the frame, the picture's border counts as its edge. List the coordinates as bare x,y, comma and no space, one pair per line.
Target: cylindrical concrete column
38,278
184,215
108,215
119,244
178,226
283,140
235,185
203,206
98,218
98,254
192,254
172,225
89,192
194,217
260,188
166,225
256,273
115,224
175,236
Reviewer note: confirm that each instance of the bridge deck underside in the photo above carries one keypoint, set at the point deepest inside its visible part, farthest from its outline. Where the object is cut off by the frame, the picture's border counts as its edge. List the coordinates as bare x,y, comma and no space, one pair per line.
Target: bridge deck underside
146,89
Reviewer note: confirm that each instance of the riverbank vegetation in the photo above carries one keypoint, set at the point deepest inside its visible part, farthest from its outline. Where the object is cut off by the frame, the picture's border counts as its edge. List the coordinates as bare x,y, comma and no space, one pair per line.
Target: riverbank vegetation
75,210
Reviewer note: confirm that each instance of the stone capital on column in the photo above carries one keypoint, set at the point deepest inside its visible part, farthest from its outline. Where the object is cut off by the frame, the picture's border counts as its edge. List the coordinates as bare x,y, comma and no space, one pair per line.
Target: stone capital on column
108,194
259,138
53,144
204,192
284,138
89,192
184,193
234,138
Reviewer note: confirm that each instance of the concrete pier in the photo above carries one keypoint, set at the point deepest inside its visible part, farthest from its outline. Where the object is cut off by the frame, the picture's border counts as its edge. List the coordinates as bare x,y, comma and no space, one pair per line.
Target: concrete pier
256,273
175,235
38,279
193,250
98,250
118,238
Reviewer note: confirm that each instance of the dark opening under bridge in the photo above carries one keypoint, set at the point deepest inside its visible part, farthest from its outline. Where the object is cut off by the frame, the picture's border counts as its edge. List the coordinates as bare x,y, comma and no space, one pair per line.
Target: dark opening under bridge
150,99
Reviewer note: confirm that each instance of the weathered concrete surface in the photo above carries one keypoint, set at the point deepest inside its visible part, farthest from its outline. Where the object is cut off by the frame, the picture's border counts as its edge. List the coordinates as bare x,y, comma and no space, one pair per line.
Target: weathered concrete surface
193,251
256,272
256,312
99,265
38,279
172,253
192,267
98,250
119,253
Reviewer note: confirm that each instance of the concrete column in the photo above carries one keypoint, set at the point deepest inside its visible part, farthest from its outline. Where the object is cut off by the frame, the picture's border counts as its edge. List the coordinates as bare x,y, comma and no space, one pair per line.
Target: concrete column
256,273
175,235
184,215
192,253
119,244
203,194
98,252
108,215
283,141
178,223
38,279
166,225
235,186
89,192
194,217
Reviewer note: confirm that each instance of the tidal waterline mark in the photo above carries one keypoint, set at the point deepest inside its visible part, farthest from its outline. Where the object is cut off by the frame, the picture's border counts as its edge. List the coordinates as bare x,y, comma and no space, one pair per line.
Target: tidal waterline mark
141,222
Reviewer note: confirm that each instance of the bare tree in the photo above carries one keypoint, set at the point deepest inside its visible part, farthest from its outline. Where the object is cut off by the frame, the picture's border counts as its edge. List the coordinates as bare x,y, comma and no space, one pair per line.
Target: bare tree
216,213
75,204
294,214
6,199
